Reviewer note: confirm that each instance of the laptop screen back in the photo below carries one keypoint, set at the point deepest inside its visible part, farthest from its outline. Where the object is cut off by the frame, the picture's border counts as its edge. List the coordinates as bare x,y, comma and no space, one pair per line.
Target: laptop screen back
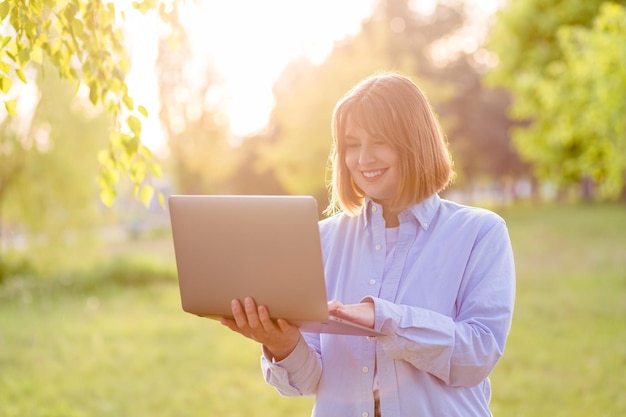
267,247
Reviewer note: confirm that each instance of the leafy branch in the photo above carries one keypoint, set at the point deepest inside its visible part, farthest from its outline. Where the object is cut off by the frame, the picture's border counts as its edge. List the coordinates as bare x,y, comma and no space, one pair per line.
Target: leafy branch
83,40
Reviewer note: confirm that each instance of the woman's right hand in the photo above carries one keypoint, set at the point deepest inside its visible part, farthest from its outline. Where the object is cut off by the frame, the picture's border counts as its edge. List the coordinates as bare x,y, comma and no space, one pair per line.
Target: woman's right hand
279,337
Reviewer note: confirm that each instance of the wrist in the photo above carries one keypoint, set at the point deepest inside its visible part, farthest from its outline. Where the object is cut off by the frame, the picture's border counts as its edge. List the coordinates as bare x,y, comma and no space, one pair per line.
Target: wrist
281,351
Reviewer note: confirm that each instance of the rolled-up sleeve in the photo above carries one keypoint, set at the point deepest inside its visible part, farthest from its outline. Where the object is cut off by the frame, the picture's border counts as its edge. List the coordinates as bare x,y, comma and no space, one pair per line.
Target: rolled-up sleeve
460,350
296,375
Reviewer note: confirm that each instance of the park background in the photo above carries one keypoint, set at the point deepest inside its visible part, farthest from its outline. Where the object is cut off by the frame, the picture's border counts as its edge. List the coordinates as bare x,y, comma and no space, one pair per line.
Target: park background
531,94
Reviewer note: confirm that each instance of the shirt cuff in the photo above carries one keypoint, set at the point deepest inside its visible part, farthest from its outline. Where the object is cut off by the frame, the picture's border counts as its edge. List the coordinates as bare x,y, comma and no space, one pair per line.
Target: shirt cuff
294,360
384,318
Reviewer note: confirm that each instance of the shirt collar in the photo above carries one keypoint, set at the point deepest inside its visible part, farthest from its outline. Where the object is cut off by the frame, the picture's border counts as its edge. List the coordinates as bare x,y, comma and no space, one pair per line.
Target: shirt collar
423,212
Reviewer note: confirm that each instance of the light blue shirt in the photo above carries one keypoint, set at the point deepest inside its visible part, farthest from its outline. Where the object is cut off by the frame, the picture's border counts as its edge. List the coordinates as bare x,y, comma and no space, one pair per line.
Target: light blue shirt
444,304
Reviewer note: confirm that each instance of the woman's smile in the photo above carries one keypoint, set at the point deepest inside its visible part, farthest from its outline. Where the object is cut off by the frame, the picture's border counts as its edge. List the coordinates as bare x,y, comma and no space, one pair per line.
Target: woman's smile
372,175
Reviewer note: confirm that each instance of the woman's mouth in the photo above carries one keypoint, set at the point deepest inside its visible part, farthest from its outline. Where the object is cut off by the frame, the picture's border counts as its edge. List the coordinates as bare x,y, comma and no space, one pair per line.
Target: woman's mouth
372,175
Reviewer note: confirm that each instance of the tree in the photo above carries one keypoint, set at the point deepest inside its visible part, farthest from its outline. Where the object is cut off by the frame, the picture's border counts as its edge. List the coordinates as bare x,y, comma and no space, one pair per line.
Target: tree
299,139
47,192
584,97
84,42
200,157
564,64
474,116
395,37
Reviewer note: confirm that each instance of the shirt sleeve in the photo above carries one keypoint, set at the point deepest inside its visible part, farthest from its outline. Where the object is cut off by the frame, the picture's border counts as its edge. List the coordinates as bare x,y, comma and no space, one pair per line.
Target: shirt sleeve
299,373
460,350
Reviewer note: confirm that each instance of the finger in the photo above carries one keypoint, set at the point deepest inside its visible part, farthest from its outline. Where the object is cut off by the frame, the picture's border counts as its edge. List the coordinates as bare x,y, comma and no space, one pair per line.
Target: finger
231,324
334,305
284,325
265,319
252,313
239,314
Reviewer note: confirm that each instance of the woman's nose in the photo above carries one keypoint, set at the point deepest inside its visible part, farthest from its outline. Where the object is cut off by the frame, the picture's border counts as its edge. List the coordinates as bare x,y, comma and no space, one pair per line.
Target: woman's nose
366,155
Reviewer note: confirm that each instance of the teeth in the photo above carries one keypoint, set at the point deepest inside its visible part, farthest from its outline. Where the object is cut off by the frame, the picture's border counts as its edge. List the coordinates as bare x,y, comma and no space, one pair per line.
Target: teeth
372,174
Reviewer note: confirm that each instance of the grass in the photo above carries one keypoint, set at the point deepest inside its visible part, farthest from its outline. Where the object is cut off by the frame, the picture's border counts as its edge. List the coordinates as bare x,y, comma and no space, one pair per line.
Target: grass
566,355
116,343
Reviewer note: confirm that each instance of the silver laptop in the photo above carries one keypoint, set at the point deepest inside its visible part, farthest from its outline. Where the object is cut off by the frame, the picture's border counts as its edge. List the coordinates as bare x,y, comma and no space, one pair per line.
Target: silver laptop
266,247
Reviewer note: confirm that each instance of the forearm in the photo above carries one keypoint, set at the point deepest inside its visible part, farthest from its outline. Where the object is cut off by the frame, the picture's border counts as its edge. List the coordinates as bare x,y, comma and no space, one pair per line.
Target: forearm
458,353
296,375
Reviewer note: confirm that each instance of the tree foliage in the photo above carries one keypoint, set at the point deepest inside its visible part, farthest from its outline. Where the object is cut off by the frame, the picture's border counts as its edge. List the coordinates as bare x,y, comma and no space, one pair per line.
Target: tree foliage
397,38
584,97
565,66
84,41
200,157
300,136
47,192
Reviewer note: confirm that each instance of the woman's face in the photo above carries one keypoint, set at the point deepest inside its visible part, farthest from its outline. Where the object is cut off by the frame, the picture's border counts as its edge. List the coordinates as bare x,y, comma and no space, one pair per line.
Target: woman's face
372,162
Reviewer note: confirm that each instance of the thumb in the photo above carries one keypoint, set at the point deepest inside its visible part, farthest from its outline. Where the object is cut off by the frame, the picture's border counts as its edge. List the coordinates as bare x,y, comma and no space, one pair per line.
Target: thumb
334,305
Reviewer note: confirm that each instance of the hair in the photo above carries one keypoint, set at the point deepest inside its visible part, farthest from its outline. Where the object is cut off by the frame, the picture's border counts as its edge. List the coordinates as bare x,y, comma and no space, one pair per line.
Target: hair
392,106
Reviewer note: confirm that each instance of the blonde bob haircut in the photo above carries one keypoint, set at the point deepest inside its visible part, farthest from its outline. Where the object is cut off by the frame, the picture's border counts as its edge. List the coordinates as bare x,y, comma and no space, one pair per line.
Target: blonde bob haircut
392,107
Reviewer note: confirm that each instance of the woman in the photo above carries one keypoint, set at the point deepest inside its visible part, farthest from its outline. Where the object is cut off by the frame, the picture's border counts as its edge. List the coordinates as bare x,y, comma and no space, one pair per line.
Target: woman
435,277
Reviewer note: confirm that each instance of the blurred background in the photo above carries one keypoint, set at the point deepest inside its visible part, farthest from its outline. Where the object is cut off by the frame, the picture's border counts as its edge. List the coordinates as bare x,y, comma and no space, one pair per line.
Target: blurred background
239,97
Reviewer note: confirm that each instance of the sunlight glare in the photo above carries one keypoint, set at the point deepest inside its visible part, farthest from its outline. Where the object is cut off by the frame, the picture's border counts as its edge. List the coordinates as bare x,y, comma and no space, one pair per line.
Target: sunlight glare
250,42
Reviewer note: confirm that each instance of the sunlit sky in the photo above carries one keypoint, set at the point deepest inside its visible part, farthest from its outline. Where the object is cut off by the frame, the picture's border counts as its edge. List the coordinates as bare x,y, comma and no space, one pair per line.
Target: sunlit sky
248,42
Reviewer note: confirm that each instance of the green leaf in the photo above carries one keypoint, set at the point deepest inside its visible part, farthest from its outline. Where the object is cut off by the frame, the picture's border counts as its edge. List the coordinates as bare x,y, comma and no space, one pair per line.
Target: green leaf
70,11
10,106
138,171
5,67
4,9
145,5
5,84
104,158
145,151
23,56
36,55
108,177
128,102
143,111
134,124
21,75
77,28
146,194
94,94
107,196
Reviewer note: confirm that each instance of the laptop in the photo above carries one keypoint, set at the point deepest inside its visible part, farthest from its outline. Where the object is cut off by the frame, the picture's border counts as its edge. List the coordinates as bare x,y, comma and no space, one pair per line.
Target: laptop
266,247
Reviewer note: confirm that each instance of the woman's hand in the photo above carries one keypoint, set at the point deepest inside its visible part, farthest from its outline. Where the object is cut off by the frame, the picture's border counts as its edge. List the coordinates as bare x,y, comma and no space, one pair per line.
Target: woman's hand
362,313
279,337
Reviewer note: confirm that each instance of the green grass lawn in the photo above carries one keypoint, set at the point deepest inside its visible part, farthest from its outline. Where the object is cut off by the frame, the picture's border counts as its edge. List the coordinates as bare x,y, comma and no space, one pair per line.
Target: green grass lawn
566,355
124,347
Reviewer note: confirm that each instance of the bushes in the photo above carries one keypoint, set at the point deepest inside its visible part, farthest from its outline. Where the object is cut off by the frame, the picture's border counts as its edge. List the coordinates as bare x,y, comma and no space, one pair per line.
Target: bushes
20,279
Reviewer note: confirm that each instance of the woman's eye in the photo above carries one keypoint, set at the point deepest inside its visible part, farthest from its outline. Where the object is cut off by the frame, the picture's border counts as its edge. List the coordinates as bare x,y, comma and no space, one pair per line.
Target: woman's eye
379,140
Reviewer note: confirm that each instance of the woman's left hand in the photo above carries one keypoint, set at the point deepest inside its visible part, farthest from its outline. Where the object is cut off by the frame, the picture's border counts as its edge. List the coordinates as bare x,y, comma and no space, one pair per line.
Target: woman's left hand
362,313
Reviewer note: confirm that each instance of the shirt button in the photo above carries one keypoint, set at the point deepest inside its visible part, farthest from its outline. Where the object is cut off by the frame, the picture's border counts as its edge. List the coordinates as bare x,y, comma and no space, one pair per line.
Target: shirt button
365,414
365,369
377,247
374,208
372,281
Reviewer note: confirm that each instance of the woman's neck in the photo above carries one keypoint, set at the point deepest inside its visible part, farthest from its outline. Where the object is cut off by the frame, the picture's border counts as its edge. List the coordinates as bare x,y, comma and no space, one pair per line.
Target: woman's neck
391,218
